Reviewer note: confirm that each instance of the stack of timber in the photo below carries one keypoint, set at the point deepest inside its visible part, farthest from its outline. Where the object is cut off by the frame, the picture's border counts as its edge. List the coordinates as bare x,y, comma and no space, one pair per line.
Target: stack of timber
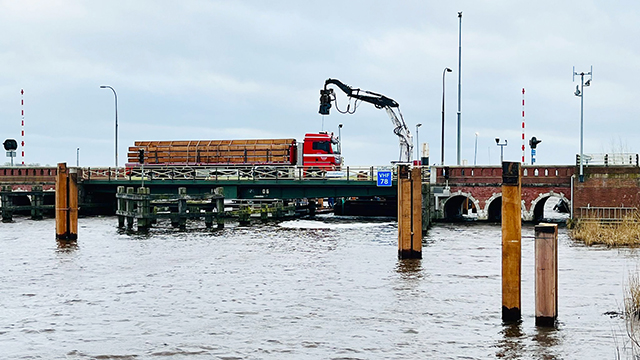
263,151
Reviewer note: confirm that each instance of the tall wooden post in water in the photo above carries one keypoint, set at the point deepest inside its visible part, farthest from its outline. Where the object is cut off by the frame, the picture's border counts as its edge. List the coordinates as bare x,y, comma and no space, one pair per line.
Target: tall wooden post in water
546,274
409,212
511,239
66,203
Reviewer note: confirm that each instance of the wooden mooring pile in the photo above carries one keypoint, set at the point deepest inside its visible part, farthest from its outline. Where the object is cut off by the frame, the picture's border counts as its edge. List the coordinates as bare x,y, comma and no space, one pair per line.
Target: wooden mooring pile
139,206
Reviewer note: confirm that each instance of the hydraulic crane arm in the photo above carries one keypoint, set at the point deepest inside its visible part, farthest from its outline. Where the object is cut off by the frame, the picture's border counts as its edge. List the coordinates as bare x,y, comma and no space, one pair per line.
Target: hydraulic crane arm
380,102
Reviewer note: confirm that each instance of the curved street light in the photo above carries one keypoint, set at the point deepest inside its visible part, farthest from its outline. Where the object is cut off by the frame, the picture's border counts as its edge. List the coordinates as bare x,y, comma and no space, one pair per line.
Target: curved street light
580,93
446,70
116,97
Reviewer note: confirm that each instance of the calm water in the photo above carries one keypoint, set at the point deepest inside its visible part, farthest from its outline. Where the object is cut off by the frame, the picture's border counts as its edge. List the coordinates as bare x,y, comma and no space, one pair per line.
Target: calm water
324,289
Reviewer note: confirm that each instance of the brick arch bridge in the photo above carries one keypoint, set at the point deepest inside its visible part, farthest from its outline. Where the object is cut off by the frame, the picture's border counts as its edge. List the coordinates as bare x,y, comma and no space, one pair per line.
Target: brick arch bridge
480,188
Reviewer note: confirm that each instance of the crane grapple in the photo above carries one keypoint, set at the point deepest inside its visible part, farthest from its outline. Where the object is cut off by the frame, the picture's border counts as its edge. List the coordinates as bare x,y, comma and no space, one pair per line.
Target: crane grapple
379,101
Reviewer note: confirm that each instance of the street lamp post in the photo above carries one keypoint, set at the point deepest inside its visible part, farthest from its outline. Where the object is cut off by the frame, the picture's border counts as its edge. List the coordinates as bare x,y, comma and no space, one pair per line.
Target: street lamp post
116,98
580,93
501,148
475,153
418,141
459,80
446,70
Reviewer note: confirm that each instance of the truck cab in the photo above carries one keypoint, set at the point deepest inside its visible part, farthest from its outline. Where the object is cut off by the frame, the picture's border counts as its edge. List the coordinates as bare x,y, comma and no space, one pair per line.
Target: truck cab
322,151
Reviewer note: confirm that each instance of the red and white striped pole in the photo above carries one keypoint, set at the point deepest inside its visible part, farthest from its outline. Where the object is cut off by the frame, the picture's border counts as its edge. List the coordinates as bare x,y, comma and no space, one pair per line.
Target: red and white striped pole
523,126
22,108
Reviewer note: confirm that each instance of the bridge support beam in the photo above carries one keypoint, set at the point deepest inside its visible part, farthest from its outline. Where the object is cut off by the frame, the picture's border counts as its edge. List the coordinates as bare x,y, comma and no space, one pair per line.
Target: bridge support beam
121,206
66,203
427,209
37,200
7,204
130,209
220,214
409,213
144,209
511,241
244,215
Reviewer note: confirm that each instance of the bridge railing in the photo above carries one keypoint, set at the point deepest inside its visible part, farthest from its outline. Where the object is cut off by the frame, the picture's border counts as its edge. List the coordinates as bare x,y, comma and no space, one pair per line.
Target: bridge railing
619,159
237,173
493,173
607,214
108,173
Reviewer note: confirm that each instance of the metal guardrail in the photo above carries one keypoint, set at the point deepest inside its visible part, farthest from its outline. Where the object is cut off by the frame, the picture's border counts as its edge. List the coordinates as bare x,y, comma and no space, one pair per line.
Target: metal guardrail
607,214
104,173
237,173
619,159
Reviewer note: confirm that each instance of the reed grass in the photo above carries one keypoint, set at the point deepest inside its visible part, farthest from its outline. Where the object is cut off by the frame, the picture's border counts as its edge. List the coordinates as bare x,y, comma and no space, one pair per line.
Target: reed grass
632,298
625,232
632,311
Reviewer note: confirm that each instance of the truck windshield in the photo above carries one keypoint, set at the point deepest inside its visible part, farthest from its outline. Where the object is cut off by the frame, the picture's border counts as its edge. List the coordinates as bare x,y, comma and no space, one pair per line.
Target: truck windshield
322,146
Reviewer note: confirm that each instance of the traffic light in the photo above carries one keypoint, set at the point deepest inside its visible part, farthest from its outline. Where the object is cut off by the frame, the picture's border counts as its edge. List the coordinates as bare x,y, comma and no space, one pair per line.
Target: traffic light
10,144
141,156
533,143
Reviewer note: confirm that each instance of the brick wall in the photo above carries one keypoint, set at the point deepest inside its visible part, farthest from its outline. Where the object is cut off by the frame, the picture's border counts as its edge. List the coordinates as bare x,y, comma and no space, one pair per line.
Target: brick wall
608,187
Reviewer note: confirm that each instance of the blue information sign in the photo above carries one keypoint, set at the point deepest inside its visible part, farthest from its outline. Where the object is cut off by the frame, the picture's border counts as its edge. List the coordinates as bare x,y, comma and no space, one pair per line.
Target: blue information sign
533,156
384,178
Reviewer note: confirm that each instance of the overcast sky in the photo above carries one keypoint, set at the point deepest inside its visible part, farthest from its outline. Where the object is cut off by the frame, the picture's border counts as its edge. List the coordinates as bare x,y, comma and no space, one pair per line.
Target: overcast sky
195,70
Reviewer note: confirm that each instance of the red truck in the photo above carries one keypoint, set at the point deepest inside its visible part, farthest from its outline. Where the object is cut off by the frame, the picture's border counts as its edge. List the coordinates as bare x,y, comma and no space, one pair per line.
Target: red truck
318,150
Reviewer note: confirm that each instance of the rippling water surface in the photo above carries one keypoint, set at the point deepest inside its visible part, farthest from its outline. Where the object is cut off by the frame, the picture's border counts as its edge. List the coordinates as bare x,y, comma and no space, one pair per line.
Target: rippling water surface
330,288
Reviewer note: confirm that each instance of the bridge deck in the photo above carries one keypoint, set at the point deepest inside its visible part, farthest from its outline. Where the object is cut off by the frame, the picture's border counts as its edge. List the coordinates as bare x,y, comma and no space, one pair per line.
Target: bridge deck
246,182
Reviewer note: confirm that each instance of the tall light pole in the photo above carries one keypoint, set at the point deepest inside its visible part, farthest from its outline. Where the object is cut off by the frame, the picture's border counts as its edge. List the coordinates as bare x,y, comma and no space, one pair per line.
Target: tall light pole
475,153
459,80
418,141
446,70
501,148
116,97
580,93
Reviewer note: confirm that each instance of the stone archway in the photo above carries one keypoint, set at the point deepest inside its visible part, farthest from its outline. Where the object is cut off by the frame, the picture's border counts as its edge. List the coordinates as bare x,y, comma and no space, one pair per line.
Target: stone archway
493,208
453,208
536,211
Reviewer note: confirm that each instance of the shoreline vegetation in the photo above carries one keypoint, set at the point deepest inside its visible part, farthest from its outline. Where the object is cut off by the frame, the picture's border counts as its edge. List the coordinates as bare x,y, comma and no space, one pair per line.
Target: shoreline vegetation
623,233
632,311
